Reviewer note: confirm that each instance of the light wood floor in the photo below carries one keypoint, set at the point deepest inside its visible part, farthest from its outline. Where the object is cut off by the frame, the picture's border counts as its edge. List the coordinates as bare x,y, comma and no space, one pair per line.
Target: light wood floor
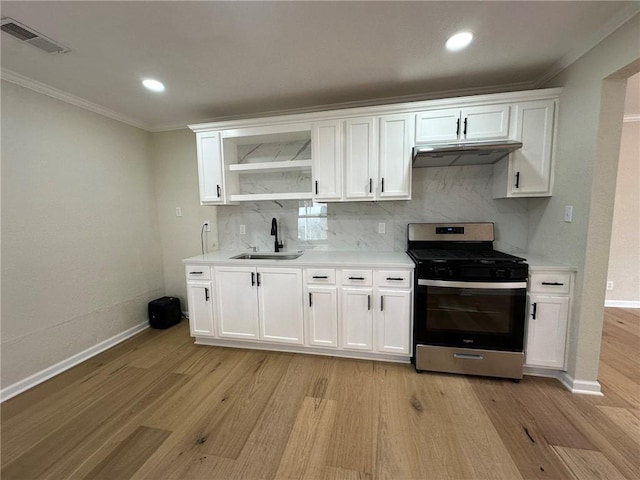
159,407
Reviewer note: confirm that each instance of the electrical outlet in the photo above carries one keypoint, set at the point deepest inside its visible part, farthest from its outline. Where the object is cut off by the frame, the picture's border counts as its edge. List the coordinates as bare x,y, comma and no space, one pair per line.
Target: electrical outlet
609,285
382,227
178,212
243,230
207,225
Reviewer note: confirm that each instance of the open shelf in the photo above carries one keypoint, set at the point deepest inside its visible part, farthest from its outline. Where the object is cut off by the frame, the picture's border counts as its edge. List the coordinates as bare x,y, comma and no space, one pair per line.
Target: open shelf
250,197
283,166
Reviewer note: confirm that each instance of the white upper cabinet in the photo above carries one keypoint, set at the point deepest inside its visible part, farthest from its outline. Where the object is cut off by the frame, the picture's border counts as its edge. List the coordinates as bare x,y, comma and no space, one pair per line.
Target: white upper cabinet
395,157
527,172
210,168
326,145
486,122
378,157
360,158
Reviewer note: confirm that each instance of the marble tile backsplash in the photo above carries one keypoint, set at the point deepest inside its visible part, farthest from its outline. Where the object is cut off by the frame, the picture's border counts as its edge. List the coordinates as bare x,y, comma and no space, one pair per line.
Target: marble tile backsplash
444,194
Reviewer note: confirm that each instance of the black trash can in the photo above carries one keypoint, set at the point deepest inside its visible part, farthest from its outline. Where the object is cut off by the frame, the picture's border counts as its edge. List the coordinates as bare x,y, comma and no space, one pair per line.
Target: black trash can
164,312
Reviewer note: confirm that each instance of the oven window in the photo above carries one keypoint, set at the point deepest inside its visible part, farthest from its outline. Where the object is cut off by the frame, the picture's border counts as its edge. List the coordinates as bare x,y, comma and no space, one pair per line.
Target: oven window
471,310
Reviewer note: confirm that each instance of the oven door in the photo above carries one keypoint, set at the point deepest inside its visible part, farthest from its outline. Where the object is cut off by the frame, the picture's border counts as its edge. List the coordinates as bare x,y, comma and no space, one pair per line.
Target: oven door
485,315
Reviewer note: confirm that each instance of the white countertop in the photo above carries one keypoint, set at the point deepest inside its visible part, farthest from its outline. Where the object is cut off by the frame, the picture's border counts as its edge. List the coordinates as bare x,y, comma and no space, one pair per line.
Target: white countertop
311,258
536,262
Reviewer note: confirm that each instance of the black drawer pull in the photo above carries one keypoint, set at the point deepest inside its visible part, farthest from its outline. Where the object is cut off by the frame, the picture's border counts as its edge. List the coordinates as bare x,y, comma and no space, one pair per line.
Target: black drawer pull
316,187
218,190
535,308
253,279
398,279
553,284
196,273
381,303
356,278
517,179
368,302
206,294
319,276
310,299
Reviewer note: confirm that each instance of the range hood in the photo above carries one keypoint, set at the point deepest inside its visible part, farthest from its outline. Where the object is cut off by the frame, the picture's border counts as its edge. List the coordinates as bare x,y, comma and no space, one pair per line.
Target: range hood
479,153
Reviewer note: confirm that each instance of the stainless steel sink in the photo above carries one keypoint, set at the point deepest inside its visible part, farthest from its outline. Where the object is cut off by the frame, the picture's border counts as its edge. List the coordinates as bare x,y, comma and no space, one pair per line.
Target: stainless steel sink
266,256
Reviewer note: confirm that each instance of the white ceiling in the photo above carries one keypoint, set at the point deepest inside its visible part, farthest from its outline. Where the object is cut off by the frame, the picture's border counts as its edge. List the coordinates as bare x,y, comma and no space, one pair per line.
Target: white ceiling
231,59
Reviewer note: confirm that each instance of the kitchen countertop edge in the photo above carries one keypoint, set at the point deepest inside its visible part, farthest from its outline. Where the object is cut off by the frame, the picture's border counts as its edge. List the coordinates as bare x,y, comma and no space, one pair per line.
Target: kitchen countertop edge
341,259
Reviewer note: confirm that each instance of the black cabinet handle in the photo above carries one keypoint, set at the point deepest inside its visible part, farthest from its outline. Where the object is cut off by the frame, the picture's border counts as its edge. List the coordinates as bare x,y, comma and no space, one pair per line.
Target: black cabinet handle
368,302
381,303
356,278
517,179
458,127
310,299
195,273
370,185
319,276
316,187
395,278
535,307
218,187
206,294
464,132
553,284
253,279
382,181
258,279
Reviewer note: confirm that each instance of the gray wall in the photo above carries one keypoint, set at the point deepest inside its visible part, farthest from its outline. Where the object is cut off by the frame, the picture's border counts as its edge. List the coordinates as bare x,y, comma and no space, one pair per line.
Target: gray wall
624,257
585,174
80,242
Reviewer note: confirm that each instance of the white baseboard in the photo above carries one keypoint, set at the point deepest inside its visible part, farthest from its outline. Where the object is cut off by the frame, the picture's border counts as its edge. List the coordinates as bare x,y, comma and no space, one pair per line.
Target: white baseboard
582,387
622,304
43,375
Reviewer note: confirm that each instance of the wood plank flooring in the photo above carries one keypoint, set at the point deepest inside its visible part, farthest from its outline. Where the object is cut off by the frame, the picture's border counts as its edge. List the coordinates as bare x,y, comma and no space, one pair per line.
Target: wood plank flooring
159,407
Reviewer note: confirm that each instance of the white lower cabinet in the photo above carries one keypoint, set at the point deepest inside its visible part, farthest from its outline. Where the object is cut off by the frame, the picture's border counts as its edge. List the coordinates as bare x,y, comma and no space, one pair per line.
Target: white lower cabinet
200,304
393,322
260,303
549,303
322,316
357,318
335,309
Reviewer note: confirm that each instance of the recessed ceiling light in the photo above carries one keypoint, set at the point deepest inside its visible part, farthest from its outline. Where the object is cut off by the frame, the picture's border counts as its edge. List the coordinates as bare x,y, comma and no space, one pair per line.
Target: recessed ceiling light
459,41
153,85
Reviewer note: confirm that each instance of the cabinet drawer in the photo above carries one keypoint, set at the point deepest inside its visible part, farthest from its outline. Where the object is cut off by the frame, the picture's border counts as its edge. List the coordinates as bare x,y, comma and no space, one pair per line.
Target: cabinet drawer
393,278
357,277
550,282
198,272
322,276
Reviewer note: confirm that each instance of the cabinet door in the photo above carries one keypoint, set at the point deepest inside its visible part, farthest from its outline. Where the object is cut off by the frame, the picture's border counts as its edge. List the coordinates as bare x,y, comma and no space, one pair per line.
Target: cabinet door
210,169
280,300
327,160
200,302
546,331
357,318
236,292
322,315
360,158
393,326
487,122
533,126
436,126
395,156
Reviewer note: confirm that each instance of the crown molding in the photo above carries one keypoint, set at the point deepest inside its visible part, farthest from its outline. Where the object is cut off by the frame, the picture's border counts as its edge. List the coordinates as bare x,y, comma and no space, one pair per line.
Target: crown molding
39,87
372,102
595,38
635,117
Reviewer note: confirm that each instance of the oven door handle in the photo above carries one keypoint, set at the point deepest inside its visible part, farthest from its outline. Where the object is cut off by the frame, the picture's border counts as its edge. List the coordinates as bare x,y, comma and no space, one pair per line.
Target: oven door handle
484,285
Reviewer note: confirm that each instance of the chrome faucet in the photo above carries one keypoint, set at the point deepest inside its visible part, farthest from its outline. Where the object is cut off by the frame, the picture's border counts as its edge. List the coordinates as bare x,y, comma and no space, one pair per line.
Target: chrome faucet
274,231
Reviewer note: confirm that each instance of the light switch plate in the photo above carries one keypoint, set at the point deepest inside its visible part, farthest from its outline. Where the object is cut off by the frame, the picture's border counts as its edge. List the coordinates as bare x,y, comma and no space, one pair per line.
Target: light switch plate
568,213
382,227
243,230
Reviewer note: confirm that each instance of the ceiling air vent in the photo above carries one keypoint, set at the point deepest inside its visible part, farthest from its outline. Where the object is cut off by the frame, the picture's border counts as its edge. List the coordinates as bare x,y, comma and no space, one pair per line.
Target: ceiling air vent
30,36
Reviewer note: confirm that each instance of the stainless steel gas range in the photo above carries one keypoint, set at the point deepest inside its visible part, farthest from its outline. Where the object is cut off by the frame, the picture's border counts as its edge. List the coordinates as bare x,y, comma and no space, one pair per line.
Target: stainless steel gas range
470,301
